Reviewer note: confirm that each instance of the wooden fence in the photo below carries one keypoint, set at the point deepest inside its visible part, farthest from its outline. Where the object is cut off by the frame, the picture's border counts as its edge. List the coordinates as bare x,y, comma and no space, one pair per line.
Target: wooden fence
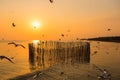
45,54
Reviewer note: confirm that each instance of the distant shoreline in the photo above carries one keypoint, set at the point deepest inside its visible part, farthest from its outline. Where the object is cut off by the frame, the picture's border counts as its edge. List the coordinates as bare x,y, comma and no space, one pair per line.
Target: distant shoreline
105,39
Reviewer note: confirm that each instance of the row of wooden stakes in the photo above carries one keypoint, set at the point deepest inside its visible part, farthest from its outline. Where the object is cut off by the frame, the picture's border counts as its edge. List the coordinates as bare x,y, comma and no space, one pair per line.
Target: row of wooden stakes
45,54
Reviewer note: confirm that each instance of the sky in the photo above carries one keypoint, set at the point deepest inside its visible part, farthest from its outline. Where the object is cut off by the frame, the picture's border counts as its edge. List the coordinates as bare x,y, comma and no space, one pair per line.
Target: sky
73,18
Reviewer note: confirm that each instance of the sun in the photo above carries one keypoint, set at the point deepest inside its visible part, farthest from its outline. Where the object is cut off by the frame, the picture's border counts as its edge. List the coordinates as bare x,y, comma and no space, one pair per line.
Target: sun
36,24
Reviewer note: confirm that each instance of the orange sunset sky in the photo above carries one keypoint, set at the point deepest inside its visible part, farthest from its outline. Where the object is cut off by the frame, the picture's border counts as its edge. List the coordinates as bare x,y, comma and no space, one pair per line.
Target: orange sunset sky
73,18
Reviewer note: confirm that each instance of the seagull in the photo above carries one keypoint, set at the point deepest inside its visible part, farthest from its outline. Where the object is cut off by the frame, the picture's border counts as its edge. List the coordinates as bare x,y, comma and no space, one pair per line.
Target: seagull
77,38
4,57
95,52
61,73
59,39
16,45
13,24
51,1
108,29
62,35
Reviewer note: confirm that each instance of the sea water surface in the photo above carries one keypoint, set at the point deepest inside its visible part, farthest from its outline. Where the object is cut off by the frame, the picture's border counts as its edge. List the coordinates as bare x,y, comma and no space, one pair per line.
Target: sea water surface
20,58
107,56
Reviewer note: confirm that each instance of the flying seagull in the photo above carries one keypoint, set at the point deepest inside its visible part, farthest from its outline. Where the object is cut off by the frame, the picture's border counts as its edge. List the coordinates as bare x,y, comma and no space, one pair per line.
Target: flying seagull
4,57
61,73
13,24
16,45
59,39
51,1
62,35
108,29
77,38
95,52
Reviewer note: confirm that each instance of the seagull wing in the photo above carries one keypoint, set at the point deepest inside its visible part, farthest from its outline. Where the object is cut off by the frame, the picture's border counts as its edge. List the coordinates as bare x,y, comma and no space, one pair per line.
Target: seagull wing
21,45
95,52
8,59
51,1
11,43
13,25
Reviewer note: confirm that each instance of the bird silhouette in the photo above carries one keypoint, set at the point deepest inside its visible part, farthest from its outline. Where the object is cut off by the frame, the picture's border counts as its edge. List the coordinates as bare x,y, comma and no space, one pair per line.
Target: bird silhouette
59,39
95,52
62,35
108,29
77,38
61,73
51,1
13,24
105,73
4,57
16,45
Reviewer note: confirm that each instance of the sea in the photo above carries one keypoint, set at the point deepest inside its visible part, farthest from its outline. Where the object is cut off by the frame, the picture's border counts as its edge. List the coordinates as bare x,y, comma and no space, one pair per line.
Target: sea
106,55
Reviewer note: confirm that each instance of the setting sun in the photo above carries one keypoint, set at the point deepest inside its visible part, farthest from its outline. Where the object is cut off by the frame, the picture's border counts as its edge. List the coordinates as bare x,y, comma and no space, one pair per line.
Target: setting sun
60,40
35,24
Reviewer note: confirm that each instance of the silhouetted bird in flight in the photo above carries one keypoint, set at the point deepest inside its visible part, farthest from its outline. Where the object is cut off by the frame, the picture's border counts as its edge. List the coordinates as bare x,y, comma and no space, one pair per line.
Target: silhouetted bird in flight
62,35
59,39
4,57
61,73
108,29
16,45
13,24
95,52
51,1
77,38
